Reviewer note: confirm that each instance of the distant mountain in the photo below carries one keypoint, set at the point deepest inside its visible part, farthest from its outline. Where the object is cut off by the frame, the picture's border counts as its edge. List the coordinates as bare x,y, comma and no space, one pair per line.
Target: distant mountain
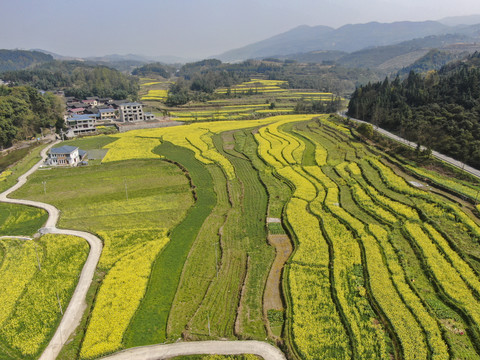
140,59
301,39
315,57
117,58
460,20
395,57
433,60
11,60
57,56
347,38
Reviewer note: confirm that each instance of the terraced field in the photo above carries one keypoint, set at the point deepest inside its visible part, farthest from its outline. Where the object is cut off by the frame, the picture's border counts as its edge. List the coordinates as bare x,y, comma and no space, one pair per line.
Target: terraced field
253,99
380,268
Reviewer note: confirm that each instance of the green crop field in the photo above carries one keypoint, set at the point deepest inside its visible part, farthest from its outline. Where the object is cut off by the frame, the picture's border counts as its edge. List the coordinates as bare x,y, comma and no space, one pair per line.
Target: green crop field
380,268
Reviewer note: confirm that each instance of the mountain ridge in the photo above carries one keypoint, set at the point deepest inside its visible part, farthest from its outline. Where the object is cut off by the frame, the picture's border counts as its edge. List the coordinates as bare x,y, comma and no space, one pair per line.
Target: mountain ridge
347,38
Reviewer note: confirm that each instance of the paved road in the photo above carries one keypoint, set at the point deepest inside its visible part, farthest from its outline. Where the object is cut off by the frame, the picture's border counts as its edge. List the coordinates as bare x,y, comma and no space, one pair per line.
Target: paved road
73,314
154,352
76,307
439,156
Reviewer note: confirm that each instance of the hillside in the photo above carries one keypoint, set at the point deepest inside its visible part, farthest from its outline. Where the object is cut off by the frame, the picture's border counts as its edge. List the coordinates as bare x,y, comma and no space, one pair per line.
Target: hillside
76,78
439,110
347,38
394,57
24,111
21,59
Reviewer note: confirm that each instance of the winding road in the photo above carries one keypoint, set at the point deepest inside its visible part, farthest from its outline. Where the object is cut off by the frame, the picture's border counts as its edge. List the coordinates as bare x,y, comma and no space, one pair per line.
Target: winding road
74,312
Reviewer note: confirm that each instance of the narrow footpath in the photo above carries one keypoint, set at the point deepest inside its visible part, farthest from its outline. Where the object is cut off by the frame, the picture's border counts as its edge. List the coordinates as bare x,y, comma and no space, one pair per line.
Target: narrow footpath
74,312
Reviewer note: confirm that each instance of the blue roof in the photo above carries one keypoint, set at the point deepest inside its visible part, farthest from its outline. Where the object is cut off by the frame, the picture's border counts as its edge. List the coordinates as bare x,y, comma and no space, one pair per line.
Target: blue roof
81,117
65,149
130,104
106,110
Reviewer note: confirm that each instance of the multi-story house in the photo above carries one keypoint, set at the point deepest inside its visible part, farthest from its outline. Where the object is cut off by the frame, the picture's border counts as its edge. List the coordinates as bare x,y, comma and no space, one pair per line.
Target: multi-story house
66,156
81,124
130,112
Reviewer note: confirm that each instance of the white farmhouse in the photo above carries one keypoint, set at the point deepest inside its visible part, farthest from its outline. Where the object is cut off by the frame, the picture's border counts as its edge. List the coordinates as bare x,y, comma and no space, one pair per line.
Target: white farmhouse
66,156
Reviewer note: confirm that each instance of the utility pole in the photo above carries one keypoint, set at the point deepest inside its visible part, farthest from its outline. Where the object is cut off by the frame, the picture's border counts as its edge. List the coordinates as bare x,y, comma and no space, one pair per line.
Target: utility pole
126,189
44,187
59,303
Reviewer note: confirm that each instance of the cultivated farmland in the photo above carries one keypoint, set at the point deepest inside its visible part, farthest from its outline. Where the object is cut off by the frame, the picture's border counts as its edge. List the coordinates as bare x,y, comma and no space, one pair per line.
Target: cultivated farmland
192,219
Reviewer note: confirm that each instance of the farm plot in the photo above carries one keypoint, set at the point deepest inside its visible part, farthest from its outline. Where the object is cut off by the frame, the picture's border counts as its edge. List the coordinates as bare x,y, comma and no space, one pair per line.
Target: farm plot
20,220
380,269
131,205
37,279
349,201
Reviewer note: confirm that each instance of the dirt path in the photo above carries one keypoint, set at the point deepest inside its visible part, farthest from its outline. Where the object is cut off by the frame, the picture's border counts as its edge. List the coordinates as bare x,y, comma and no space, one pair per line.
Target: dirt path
73,314
283,248
272,297
154,352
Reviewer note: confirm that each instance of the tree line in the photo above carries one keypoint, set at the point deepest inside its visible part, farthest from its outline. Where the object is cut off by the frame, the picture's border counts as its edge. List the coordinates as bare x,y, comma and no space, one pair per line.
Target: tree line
439,110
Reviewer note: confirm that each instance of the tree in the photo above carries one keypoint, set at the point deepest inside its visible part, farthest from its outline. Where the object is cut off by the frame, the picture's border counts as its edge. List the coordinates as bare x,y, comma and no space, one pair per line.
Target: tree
366,130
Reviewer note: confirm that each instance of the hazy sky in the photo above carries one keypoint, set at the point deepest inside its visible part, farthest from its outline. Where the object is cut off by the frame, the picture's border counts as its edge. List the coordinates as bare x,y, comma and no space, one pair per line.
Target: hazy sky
190,28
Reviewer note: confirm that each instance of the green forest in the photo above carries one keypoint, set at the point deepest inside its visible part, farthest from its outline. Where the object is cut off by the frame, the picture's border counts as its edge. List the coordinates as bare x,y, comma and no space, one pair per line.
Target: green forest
24,111
77,79
439,110
11,60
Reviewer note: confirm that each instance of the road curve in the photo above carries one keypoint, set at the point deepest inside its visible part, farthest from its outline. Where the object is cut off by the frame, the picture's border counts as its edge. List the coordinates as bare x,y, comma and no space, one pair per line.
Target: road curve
74,312
154,352
447,159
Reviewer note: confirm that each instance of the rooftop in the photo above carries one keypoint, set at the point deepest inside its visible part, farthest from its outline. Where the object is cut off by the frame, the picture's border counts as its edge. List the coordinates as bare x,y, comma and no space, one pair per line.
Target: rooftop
131,104
65,149
77,117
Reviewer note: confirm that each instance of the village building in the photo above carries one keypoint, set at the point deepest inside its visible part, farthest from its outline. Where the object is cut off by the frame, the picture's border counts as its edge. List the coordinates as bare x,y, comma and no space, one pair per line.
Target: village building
90,102
107,114
80,125
149,116
131,112
76,111
66,156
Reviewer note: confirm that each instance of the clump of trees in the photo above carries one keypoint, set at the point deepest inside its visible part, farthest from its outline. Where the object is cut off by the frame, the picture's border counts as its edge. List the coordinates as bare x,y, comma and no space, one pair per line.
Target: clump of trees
197,81
77,79
157,68
439,110
24,111
317,106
